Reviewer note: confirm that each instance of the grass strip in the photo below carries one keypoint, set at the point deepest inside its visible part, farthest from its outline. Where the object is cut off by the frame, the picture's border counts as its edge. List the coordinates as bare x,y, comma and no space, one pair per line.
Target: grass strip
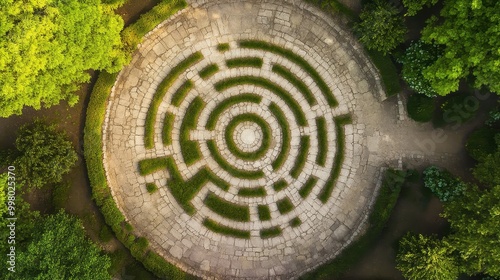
301,159
255,62
223,47
388,71
274,88
306,189
228,102
295,222
208,71
151,165
227,209
322,141
160,94
270,232
384,204
296,82
280,185
233,147
181,93
284,205
190,150
285,135
225,230
326,192
264,212
168,125
238,173
288,54
252,192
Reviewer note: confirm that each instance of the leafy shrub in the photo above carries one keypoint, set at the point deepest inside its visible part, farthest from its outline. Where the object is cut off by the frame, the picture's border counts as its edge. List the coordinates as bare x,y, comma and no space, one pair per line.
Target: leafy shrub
456,109
417,57
443,184
481,142
420,107
381,27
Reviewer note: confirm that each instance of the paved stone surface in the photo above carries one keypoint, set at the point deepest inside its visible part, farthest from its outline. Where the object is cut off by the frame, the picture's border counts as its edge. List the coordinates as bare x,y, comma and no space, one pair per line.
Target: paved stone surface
325,227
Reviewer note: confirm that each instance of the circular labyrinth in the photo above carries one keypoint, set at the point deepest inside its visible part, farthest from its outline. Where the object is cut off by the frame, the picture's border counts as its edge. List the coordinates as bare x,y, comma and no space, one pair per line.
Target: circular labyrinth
243,115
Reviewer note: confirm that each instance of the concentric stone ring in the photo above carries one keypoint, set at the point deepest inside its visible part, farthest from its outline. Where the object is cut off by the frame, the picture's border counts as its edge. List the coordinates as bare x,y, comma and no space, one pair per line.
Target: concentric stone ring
244,115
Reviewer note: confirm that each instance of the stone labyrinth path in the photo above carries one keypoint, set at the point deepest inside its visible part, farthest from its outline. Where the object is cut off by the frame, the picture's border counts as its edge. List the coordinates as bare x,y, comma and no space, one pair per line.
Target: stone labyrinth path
244,115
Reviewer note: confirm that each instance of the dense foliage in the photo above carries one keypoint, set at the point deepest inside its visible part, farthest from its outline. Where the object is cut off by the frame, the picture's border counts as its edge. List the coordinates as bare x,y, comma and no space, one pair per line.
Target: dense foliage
381,27
469,35
481,143
443,184
60,250
46,48
414,6
417,57
42,155
420,107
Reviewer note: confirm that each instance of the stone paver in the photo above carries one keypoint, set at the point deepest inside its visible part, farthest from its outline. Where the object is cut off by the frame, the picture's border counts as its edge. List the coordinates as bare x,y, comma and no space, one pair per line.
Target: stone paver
325,227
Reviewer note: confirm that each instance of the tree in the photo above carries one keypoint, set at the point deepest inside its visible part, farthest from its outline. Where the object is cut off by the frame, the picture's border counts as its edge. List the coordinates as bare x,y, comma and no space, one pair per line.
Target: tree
381,27
60,250
429,258
469,35
46,48
475,222
43,155
414,6
419,56
487,171
443,184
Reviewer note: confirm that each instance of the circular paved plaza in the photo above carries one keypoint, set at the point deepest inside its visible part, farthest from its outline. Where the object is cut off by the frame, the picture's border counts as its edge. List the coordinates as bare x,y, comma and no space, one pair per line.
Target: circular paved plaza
249,118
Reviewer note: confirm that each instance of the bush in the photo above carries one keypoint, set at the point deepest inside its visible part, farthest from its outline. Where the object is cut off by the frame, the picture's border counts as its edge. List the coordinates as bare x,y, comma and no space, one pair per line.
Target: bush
381,27
151,188
420,107
456,110
481,142
417,57
105,234
443,184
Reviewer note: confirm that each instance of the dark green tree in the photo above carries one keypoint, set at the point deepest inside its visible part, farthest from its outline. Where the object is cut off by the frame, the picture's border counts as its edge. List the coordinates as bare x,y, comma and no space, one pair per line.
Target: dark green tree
421,257
60,250
381,27
415,6
46,48
43,155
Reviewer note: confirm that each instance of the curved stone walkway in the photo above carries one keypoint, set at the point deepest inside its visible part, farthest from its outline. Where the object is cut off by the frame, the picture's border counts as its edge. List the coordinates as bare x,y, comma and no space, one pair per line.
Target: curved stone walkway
308,223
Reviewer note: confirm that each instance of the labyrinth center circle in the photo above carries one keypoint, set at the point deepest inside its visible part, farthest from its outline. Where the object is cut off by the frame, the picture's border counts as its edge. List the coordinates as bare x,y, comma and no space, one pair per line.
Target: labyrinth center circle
246,116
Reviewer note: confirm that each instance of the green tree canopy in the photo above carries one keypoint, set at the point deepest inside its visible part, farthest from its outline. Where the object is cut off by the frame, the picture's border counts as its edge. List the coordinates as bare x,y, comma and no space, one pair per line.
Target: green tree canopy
469,32
60,250
414,6
43,155
381,27
47,46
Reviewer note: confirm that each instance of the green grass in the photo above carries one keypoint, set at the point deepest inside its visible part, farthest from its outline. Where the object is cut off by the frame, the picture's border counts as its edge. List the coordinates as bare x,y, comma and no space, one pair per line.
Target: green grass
181,93
252,192
322,141
190,150
333,7
95,115
264,213
238,173
306,189
160,94
295,222
326,192
151,165
296,82
270,232
261,45
228,102
280,185
216,227
385,202
168,125
233,147
420,107
227,209
208,71
388,71
301,159
272,87
244,62
285,136
223,47
284,205
151,188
